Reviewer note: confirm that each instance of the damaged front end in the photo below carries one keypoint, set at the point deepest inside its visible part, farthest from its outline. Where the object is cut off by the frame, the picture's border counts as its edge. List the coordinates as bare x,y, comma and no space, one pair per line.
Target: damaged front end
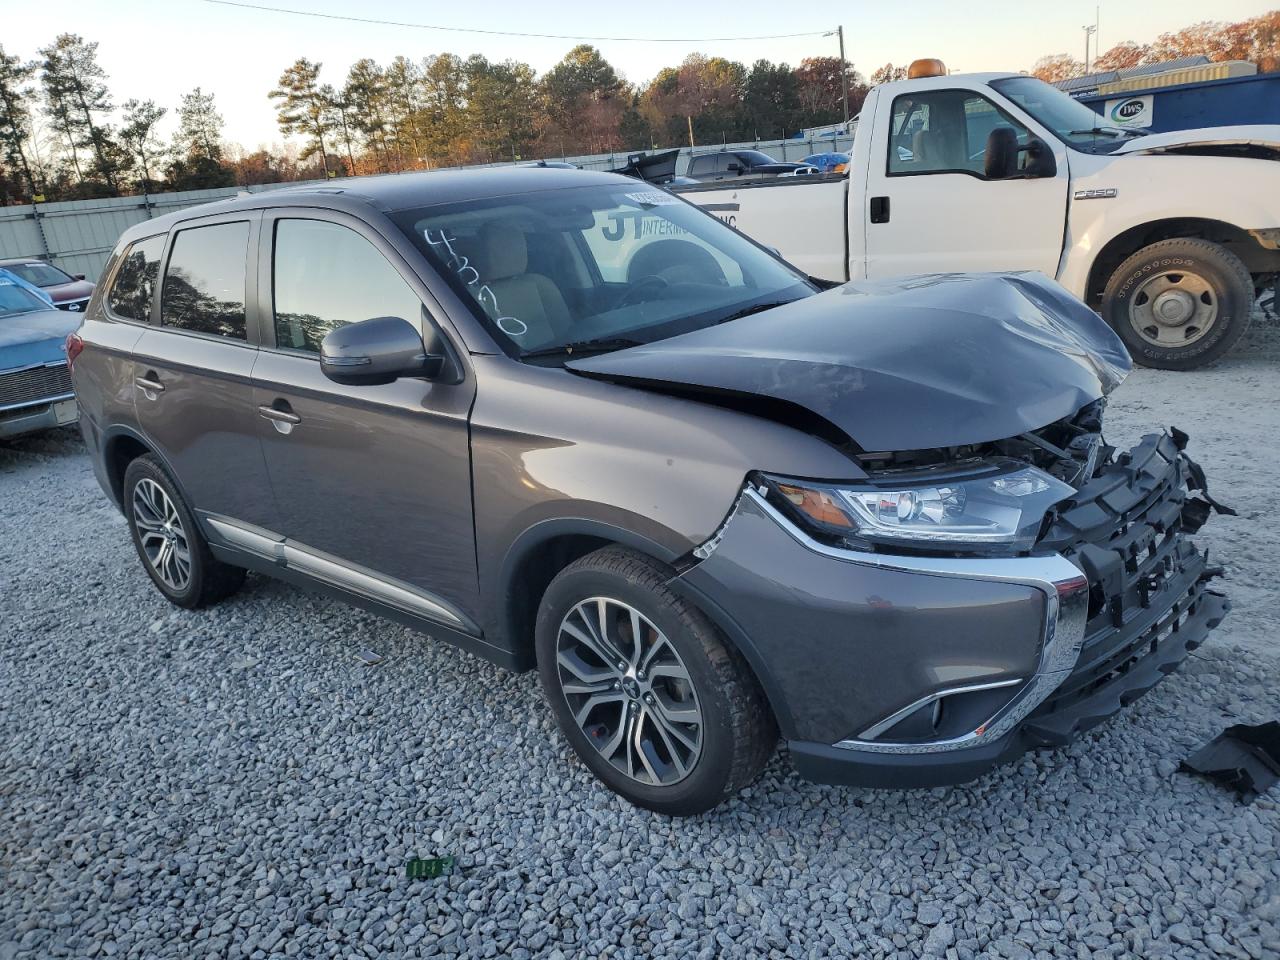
918,661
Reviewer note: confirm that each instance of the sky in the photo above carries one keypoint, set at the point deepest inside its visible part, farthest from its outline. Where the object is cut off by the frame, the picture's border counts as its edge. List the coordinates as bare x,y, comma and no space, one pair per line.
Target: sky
160,49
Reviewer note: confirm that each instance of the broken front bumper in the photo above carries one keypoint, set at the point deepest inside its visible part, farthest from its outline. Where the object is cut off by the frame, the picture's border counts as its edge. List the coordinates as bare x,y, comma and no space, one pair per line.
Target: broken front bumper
893,670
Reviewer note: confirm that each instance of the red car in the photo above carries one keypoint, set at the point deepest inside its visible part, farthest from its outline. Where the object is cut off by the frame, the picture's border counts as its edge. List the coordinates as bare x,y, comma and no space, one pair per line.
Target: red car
68,292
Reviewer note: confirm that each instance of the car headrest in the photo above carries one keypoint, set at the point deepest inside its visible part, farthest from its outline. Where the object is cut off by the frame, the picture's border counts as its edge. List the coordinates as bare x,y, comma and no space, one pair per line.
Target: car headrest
504,250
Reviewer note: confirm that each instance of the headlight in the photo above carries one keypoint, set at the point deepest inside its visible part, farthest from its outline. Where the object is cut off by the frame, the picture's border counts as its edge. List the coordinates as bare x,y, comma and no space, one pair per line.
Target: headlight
1004,507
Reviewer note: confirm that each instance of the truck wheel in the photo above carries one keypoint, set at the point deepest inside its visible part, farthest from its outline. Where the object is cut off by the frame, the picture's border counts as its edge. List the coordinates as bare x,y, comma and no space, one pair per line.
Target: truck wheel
1179,304
644,687
173,551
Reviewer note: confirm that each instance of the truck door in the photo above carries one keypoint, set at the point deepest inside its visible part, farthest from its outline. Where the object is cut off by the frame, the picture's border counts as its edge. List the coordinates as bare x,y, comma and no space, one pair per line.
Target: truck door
930,204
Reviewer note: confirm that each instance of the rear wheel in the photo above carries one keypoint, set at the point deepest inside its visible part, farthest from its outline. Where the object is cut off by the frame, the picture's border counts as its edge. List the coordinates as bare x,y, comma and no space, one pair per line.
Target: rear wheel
1179,304
645,689
173,551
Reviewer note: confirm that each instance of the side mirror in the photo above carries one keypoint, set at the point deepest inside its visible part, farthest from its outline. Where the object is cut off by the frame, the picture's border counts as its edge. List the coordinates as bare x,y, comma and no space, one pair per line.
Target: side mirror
1040,162
78,276
376,351
1000,159
735,168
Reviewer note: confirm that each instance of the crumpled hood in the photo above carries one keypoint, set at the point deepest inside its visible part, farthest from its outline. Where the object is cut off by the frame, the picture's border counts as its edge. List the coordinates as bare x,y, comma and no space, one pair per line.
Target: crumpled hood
38,337
909,364
1254,135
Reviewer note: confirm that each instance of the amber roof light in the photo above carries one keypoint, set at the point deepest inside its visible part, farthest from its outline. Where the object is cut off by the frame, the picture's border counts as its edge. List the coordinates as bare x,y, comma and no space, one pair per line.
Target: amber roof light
928,67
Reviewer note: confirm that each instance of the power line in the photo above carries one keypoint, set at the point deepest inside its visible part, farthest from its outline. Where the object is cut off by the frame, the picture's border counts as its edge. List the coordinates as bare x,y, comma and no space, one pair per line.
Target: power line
505,33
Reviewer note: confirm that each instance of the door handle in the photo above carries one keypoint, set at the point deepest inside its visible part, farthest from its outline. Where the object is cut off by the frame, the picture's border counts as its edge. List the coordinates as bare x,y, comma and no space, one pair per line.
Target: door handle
149,384
281,417
879,209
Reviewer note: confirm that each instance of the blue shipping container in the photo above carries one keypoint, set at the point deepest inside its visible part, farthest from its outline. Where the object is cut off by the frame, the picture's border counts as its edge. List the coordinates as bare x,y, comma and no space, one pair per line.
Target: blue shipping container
1212,103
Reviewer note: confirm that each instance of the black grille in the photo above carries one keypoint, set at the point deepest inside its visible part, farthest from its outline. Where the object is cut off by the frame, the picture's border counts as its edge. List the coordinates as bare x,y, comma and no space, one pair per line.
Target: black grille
34,384
1148,604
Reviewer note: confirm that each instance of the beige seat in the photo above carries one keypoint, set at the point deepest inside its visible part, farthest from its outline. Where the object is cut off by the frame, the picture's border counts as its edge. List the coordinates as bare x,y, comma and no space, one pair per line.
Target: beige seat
532,299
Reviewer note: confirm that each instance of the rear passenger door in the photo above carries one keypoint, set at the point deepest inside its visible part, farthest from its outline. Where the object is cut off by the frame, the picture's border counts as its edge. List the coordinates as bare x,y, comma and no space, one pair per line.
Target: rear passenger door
192,391
372,483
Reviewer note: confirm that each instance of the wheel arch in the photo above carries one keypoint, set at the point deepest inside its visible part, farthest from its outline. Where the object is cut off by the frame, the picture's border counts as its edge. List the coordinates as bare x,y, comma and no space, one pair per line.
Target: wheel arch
1257,258
122,445
537,556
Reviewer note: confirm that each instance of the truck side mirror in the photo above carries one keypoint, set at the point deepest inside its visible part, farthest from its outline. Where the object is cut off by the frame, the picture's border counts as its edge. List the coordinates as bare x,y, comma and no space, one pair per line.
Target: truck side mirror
1000,160
1040,162
735,168
377,351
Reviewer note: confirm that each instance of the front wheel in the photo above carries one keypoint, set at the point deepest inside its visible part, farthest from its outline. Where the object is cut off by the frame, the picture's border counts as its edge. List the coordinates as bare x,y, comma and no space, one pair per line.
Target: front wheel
645,689
1179,304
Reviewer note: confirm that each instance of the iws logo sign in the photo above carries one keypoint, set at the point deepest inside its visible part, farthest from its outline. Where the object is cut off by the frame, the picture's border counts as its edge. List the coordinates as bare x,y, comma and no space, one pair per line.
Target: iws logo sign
1130,111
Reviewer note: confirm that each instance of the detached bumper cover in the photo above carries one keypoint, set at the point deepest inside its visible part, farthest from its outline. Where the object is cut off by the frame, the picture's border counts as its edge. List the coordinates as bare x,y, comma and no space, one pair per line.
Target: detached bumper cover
1132,603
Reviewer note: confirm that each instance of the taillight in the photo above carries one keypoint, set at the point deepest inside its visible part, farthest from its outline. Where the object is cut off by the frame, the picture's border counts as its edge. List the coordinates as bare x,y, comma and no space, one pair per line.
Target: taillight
73,347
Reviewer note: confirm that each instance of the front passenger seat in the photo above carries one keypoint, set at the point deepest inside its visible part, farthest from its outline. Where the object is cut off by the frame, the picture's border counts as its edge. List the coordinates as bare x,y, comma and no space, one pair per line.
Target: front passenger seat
531,298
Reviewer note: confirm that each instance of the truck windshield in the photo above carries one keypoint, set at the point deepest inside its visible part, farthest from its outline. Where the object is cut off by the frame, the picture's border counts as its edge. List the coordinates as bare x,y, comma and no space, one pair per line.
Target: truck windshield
594,268
1070,119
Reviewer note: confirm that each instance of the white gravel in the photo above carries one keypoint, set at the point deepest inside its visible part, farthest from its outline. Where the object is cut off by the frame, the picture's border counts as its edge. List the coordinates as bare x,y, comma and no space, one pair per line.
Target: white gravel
236,783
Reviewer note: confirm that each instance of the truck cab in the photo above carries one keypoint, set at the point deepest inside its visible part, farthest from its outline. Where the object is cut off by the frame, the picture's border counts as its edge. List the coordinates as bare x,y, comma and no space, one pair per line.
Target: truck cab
1171,237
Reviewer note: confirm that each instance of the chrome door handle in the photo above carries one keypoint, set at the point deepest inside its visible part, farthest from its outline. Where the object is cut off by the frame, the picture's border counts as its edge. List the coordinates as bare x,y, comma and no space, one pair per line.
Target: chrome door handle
279,416
148,385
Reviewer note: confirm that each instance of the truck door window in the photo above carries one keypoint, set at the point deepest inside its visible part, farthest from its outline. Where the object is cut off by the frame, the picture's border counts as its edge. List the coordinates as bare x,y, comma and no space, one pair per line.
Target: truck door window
325,276
944,131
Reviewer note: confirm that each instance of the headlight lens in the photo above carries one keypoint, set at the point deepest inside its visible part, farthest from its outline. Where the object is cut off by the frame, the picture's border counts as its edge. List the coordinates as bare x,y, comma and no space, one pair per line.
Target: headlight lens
999,508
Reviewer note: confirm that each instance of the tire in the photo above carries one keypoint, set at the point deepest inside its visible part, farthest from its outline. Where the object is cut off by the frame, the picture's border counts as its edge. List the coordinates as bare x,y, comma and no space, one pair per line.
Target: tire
157,514
735,734
1207,291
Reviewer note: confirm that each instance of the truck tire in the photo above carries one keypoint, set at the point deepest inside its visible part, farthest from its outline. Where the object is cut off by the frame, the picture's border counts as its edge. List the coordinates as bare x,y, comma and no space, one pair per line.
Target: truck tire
170,545
675,723
1179,304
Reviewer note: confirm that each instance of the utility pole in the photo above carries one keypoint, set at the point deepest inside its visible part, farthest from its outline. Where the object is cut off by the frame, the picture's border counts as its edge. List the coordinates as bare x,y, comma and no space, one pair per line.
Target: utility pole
838,32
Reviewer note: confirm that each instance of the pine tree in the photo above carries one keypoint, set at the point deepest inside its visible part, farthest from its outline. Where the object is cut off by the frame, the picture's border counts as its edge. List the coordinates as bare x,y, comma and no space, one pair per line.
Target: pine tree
139,136
76,90
199,127
15,117
302,108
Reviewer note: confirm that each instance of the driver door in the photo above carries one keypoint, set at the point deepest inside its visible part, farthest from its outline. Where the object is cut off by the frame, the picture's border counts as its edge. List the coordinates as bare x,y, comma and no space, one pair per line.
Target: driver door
931,207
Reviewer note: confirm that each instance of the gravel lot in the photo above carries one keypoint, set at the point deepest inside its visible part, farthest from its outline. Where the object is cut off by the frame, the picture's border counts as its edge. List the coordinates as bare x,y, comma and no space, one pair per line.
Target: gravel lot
236,783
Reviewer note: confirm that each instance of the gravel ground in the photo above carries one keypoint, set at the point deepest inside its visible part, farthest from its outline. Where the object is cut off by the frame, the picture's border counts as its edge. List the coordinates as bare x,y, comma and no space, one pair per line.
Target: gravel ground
235,783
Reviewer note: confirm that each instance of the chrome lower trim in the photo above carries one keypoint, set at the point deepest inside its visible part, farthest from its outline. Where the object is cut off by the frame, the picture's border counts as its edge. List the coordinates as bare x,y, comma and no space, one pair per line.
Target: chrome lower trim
889,722
43,401
339,573
1066,610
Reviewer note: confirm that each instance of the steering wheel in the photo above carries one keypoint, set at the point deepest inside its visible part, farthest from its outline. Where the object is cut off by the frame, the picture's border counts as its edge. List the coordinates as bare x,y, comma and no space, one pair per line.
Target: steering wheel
630,296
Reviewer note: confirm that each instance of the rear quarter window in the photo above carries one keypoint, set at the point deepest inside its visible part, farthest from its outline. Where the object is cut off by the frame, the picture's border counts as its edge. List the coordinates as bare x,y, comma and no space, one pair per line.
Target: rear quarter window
135,280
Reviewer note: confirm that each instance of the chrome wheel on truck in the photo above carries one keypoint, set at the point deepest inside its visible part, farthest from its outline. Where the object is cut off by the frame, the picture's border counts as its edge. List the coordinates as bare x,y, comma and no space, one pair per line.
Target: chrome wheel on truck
1173,309
1179,304
629,691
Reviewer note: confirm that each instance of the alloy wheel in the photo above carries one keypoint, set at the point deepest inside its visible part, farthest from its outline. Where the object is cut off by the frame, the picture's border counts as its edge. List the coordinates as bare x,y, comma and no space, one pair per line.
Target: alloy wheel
1173,309
163,538
629,691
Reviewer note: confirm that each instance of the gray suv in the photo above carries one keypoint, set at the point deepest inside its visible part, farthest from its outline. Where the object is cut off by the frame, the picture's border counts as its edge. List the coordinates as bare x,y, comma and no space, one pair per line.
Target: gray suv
569,421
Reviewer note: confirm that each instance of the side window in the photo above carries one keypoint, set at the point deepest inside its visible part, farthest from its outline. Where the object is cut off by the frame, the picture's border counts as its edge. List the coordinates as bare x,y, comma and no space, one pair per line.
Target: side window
135,280
204,281
325,276
726,160
701,165
944,131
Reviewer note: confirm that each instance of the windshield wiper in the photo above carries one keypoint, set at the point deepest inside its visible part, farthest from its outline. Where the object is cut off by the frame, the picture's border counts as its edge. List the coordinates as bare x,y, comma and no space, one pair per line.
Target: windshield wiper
1097,131
583,346
757,308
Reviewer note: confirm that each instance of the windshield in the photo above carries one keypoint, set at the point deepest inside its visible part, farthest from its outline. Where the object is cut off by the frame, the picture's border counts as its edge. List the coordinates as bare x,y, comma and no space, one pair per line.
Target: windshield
14,299
754,158
620,264
1070,119
41,274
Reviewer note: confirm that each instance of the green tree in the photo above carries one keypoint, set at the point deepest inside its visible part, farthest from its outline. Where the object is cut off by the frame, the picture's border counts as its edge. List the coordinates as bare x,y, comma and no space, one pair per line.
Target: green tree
439,118
366,93
585,99
76,91
15,118
199,127
503,107
302,108
771,100
405,110
139,137
340,121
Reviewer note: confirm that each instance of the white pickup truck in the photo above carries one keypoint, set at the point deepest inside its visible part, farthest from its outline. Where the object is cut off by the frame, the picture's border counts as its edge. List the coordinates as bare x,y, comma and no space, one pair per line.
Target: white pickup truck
1170,236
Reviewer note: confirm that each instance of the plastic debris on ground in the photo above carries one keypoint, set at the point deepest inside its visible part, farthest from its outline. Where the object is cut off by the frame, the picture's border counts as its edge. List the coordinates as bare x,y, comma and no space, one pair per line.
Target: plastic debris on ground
1244,758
